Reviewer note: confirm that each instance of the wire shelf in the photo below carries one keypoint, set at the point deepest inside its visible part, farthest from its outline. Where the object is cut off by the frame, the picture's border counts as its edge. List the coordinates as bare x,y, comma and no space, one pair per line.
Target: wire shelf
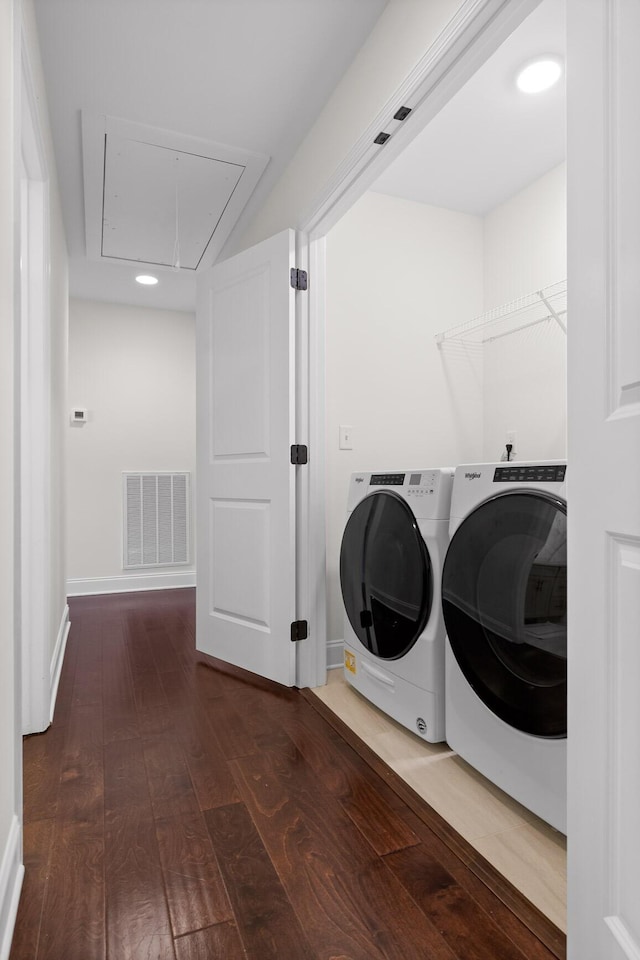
546,305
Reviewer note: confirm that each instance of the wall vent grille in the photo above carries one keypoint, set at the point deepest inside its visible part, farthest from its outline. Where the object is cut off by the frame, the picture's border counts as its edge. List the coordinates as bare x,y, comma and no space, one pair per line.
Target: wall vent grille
156,519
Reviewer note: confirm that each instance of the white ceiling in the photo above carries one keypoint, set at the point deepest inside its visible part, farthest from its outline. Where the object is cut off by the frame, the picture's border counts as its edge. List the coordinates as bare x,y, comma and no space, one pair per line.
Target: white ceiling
490,140
243,73
252,74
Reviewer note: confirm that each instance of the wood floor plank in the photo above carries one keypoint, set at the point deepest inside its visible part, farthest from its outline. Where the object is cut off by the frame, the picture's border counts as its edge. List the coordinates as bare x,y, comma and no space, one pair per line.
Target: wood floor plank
221,942
42,755
38,839
212,781
478,891
266,920
73,918
138,925
229,728
196,894
209,682
348,902
170,785
125,776
87,686
373,807
81,794
137,913
469,930
119,706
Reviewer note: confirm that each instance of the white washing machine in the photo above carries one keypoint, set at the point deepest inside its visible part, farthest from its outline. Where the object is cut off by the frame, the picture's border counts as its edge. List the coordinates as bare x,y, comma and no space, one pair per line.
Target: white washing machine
504,599
393,547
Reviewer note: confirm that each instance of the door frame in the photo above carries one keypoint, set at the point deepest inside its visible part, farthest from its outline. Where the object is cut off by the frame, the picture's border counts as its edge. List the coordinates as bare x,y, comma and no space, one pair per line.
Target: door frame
33,398
469,39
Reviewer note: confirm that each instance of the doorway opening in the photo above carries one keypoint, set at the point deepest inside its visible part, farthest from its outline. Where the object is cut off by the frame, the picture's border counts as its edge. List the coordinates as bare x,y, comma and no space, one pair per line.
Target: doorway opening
440,357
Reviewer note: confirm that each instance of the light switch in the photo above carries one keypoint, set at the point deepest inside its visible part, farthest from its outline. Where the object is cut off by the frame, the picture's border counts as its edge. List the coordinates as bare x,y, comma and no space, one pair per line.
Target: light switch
346,437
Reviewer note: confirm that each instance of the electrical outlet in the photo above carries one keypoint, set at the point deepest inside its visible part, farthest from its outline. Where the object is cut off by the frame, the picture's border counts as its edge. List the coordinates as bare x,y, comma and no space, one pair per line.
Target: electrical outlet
511,438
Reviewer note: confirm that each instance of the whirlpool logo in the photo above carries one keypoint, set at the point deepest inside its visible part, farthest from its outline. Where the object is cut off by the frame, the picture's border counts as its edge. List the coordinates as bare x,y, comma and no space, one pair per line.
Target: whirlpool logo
472,476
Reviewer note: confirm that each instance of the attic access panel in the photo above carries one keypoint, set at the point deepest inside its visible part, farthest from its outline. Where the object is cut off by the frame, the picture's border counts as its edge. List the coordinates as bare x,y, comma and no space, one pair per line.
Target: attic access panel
162,206
160,198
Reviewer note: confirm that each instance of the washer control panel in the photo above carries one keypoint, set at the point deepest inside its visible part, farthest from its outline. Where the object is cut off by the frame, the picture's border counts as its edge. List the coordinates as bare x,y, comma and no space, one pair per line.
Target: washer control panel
530,473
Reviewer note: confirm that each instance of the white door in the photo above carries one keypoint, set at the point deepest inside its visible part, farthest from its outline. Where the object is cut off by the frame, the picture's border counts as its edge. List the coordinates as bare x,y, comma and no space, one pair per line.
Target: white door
245,517
603,479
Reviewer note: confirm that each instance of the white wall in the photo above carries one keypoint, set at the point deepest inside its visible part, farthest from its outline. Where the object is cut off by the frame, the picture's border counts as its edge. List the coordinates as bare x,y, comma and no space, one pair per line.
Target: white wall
10,747
134,370
400,38
525,249
10,680
58,320
398,272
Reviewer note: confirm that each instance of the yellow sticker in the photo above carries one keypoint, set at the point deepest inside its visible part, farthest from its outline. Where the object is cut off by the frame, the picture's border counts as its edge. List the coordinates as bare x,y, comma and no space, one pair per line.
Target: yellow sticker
350,661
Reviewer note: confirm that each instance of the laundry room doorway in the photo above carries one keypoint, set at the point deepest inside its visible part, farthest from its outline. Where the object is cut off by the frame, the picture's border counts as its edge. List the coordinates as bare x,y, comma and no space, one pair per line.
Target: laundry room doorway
443,348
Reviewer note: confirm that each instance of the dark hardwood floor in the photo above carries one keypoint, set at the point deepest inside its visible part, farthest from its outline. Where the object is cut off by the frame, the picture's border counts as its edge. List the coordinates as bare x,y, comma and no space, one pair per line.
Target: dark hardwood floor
180,809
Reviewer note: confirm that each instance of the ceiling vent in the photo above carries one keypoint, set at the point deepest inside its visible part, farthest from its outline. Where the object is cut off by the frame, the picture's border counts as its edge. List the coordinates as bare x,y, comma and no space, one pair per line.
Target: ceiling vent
160,198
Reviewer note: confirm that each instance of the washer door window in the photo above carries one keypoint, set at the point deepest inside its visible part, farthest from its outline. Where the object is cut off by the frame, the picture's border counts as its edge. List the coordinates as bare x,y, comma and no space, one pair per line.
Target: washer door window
385,574
504,596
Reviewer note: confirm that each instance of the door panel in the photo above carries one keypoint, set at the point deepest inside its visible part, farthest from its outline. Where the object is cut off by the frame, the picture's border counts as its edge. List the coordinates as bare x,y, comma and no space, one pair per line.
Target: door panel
604,455
240,368
246,483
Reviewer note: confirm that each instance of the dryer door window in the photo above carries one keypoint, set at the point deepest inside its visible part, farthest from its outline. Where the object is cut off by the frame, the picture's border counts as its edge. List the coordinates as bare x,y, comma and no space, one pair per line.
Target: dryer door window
504,596
385,574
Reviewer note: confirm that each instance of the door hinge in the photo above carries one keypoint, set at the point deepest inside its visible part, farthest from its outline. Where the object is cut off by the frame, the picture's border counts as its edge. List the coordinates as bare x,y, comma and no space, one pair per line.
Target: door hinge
298,279
299,630
299,453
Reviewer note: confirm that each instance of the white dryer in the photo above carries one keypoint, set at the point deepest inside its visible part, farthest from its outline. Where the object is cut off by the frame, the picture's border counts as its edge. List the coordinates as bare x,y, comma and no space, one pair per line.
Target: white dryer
504,598
391,557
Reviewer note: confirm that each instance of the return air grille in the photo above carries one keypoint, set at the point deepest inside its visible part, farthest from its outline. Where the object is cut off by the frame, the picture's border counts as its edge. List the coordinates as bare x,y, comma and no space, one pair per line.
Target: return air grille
156,519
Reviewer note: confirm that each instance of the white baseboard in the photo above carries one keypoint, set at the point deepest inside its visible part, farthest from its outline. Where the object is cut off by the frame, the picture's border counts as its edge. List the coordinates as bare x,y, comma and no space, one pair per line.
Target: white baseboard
57,658
11,875
335,654
128,584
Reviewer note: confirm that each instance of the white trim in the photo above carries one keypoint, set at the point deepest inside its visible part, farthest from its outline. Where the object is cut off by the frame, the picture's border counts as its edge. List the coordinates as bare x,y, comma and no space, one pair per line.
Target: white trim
81,587
623,937
11,876
316,512
57,659
33,597
335,654
310,590
474,33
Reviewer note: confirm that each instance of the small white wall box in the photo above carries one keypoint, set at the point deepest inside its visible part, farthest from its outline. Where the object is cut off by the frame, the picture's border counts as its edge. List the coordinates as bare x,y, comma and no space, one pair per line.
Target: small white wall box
79,415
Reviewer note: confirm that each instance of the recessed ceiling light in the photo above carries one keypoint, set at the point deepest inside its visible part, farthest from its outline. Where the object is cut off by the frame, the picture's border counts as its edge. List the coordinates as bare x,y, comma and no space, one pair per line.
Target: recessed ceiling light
539,74
146,279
